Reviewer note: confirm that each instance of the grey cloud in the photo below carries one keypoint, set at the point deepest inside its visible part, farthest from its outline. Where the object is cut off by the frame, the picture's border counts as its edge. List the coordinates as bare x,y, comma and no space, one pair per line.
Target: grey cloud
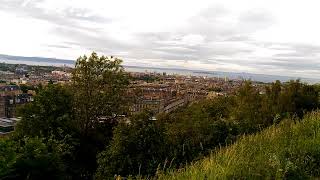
255,20
307,64
212,13
238,38
95,40
68,17
58,46
220,39
84,14
309,49
257,16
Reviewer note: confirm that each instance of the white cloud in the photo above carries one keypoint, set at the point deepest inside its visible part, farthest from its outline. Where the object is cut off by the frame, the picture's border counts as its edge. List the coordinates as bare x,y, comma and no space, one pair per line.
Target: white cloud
247,35
192,39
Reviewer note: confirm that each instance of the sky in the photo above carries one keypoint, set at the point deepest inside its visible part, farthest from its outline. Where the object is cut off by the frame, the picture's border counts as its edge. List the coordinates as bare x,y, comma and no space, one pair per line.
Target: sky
266,37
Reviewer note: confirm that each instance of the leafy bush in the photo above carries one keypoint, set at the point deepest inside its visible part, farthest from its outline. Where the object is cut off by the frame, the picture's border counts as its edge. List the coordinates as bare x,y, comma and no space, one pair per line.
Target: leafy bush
33,158
137,147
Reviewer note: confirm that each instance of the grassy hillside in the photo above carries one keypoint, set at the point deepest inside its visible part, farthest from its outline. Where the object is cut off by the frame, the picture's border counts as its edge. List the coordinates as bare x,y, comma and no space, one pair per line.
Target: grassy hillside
288,150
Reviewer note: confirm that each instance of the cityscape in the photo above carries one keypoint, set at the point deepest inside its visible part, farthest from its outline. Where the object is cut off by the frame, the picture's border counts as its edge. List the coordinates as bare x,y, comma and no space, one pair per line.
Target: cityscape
157,92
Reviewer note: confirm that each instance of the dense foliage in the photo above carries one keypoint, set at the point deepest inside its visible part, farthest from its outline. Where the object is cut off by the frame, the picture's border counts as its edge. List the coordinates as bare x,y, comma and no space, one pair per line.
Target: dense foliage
34,158
194,131
84,131
51,112
98,87
136,148
81,115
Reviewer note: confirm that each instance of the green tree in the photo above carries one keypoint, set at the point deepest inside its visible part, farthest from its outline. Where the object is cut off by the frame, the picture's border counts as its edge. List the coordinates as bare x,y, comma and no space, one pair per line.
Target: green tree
24,88
271,103
137,148
195,130
297,98
50,112
85,111
99,85
7,157
247,111
33,158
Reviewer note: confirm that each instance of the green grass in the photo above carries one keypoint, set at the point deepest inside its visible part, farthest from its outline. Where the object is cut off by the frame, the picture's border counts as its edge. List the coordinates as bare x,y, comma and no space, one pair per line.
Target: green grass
290,150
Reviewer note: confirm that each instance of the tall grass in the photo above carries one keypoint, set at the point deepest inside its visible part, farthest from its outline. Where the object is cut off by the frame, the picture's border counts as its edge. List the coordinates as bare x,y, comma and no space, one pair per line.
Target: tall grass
289,150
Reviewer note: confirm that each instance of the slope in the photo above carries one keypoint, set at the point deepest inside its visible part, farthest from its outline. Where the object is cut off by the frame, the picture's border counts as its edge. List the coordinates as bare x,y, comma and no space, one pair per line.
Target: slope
287,150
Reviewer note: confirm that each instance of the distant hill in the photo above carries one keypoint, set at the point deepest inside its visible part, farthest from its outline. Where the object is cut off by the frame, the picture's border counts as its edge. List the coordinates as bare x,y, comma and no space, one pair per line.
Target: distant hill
33,60
289,150
10,59
221,74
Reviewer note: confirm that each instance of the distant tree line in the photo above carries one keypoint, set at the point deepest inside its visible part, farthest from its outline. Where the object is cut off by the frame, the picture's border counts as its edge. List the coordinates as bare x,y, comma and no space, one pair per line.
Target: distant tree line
78,131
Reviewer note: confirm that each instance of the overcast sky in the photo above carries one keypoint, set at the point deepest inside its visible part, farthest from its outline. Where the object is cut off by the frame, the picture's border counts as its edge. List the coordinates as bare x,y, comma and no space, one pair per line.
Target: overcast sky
271,37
